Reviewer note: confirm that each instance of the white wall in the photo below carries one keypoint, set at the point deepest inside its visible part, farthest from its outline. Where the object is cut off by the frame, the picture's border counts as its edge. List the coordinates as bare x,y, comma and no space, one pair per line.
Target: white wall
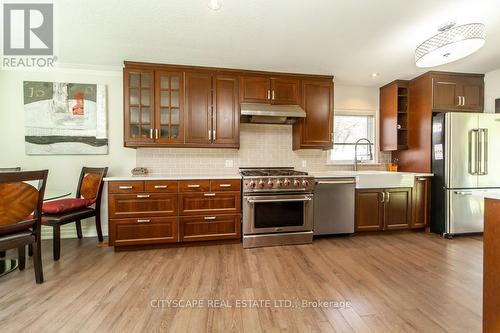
63,170
491,90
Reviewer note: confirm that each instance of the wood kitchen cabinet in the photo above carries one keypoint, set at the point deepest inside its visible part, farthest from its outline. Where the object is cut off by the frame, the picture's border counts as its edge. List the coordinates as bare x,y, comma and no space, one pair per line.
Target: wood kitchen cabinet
316,129
394,109
269,90
155,212
421,203
199,107
460,92
383,209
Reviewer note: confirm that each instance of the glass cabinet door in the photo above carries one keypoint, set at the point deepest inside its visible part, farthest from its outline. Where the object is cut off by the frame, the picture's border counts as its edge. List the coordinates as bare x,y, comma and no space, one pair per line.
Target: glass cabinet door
139,106
169,103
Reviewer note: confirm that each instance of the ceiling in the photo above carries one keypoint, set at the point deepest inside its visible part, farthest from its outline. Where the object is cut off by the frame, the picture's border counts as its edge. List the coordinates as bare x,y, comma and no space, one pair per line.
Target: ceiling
347,38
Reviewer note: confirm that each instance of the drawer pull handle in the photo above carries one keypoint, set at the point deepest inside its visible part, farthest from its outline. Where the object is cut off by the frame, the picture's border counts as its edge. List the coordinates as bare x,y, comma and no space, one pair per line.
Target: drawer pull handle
125,187
225,185
193,185
210,218
142,196
421,178
143,221
209,194
160,186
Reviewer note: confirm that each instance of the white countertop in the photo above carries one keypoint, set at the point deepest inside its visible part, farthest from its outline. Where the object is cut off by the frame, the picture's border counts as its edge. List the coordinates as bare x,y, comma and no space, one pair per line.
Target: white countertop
171,177
487,194
351,174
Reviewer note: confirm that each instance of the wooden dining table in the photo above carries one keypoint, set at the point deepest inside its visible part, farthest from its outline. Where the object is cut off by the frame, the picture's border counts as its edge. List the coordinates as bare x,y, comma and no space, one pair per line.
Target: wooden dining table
10,265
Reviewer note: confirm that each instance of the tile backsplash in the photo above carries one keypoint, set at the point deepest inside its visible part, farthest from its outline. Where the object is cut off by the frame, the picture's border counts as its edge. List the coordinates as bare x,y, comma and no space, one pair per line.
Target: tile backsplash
260,145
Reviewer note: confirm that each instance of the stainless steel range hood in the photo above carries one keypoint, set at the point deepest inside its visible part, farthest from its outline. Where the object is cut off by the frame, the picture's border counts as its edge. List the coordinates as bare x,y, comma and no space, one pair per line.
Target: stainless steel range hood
270,114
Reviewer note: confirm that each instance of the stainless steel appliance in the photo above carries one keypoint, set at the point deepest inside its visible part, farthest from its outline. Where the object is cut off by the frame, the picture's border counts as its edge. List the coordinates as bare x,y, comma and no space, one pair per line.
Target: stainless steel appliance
465,156
334,206
277,207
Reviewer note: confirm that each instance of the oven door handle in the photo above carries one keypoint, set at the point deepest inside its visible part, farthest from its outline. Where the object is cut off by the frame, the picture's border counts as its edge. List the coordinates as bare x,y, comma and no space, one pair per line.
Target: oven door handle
281,200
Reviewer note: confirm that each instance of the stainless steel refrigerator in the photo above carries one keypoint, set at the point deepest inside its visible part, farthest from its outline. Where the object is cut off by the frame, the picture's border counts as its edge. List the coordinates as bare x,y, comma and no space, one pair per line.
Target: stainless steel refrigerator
465,156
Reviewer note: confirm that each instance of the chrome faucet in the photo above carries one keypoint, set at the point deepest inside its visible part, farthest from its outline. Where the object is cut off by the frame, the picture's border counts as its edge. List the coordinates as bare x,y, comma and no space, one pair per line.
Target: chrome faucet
356,152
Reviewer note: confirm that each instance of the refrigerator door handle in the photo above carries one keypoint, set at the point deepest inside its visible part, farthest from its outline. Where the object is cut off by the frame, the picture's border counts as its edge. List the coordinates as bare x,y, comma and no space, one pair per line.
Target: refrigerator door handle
473,148
485,151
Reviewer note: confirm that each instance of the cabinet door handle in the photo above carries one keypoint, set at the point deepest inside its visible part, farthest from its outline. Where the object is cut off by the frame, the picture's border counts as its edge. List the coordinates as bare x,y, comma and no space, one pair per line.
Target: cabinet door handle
210,218
210,135
269,94
151,133
142,196
193,186
463,100
143,221
125,187
459,100
157,134
214,137
224,185
383,197
388,196
209,194
273,96
160,186
421,178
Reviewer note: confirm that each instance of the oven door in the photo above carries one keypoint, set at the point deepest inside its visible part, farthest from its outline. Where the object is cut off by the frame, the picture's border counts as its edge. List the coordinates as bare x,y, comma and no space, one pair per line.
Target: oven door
277,213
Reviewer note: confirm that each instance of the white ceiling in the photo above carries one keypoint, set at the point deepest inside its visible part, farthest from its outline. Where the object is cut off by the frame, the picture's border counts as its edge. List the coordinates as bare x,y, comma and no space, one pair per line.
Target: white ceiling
347,38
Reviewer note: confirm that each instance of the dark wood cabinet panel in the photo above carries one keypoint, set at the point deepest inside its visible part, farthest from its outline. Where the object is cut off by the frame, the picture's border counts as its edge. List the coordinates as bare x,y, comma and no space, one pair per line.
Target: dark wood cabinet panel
315,131
421,202
285,91
160,186
211,202
194,185
125,232
138,104
142,205
210,227
369,210
226,112
398,205
255,89
446,92
198,109
225,185
126,187
473,94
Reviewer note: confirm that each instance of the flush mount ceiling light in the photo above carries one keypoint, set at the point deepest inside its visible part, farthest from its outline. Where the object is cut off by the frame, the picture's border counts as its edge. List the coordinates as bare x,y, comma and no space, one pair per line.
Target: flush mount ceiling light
450,44
214,4
374,75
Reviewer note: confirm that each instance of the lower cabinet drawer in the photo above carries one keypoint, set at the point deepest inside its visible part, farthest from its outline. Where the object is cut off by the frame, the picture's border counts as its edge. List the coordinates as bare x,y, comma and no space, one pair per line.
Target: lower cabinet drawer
143,231
210,227
209,203
142,205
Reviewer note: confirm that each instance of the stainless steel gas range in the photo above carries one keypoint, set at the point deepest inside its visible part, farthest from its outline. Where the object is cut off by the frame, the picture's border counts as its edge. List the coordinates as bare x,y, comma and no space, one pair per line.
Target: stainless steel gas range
277,207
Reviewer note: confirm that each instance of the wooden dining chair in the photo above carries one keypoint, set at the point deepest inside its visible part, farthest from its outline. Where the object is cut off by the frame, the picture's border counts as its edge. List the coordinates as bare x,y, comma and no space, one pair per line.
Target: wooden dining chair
64,211
2,253
20,215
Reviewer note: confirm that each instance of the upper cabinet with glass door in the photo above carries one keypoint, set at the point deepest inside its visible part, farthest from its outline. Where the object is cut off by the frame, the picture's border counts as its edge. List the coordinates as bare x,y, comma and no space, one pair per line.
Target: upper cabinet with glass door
138,104
169,102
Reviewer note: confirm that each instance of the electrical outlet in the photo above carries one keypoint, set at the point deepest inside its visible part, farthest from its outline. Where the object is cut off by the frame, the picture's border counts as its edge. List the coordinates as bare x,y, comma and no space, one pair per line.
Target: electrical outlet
304,163
229,163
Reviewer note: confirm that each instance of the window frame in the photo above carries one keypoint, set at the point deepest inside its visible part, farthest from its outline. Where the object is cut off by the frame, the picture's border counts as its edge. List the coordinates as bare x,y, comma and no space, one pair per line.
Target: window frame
358,112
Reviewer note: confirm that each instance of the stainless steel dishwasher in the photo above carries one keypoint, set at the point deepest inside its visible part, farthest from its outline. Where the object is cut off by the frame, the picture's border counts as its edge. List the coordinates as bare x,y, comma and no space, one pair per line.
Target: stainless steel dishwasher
334,200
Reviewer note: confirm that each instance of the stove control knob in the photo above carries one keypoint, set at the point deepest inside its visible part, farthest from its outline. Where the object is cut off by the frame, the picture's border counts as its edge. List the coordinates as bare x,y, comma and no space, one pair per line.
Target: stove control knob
251,184
279,183
296,183
287,182
305,183
262,184
270,184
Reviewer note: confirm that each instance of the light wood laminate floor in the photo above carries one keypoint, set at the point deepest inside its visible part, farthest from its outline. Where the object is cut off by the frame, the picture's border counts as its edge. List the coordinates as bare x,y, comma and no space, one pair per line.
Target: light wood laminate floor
408,282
